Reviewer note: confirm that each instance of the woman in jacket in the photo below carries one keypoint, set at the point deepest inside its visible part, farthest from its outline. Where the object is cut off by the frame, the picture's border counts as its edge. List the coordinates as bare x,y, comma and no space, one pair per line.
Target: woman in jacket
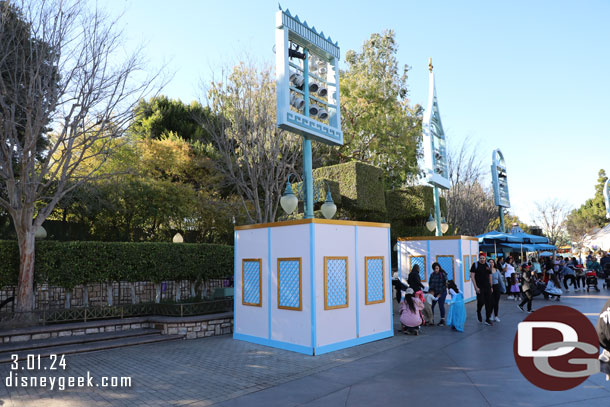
438,283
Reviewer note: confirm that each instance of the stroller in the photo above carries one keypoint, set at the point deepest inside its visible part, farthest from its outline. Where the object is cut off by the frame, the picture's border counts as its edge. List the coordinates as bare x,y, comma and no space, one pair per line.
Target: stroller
591,280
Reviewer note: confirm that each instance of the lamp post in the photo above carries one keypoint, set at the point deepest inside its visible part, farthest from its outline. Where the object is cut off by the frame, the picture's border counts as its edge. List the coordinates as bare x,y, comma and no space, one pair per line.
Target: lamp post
500,185
435,150
289,200
434,223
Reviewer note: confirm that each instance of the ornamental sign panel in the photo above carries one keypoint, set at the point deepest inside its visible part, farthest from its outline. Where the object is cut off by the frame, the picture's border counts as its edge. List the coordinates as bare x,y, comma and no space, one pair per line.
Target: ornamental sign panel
500,184
434,142
307,75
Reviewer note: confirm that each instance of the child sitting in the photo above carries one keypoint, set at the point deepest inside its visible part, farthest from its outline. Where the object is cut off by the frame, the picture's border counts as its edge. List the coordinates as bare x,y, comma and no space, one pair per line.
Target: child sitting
552,288
410,313
429,297
457,311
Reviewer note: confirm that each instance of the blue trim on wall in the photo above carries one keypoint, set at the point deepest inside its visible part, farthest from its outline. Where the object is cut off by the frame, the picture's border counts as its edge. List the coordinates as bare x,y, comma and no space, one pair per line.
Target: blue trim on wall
353,342
357,276
312,272
429,258
307,350
462,268
389,297
235,279
269,279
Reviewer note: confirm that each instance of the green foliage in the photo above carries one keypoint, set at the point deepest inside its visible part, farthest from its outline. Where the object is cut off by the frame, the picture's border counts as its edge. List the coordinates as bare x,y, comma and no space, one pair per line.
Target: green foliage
509,221
319,191
379,126
360,184
590,215
9,266
68,264
160,116
412,203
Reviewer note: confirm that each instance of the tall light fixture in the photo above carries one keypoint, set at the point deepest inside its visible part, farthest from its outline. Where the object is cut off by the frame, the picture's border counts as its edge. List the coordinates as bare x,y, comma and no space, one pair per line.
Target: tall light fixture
328,207
289,201
431,224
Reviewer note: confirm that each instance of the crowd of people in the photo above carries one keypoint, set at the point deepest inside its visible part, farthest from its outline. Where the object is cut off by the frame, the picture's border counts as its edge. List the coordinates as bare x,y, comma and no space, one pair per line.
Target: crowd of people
491,278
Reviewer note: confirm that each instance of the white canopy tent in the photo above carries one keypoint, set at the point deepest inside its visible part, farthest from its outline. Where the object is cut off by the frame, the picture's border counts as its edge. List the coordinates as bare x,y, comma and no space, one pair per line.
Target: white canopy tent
600,239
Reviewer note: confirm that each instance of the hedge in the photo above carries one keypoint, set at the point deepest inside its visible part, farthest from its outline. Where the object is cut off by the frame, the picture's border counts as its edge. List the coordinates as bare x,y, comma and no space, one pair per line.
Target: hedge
361,185
68,264
412,203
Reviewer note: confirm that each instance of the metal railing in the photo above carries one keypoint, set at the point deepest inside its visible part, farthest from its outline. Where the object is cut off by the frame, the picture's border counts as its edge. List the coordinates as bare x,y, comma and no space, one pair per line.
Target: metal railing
50,316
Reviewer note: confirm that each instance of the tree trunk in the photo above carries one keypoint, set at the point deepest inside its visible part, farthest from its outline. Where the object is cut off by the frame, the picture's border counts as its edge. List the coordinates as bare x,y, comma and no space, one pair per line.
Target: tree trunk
25,286
132,288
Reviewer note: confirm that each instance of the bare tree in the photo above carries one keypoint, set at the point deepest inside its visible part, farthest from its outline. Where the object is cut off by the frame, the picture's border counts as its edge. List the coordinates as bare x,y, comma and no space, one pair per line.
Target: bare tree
551,215
470,205
65,99
255,156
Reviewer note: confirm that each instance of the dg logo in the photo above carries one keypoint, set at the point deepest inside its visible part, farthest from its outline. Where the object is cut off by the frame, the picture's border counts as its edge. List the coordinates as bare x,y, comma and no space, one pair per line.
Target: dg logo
556,348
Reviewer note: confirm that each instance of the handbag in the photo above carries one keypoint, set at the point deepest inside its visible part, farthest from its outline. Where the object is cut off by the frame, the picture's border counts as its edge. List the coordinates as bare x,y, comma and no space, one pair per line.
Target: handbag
502,285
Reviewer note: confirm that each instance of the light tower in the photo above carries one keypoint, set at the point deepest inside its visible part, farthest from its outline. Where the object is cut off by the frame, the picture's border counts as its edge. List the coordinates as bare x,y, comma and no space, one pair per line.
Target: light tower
435,149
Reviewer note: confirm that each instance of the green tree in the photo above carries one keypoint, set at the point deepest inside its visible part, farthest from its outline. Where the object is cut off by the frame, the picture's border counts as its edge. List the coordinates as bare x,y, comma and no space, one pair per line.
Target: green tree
590,215
509,221
380,127
160,116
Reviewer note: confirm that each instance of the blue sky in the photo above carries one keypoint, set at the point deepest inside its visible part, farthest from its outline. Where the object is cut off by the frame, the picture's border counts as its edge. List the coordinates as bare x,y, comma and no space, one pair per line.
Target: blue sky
528,77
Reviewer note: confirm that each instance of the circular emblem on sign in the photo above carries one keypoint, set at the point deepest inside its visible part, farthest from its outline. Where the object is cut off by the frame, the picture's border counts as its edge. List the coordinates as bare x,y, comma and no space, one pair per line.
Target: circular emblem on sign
556,348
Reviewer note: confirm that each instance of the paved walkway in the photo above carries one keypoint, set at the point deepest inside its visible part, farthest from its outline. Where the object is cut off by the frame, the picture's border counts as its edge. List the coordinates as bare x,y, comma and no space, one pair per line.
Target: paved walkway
440,367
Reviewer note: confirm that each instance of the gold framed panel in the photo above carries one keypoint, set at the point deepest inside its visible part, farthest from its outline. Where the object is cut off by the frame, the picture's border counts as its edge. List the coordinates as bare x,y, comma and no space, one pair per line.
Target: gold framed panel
299,259
466,268
366,279
326,306
260,282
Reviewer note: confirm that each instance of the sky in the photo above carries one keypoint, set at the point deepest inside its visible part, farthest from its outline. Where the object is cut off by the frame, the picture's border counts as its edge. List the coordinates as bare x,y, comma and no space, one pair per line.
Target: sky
527,77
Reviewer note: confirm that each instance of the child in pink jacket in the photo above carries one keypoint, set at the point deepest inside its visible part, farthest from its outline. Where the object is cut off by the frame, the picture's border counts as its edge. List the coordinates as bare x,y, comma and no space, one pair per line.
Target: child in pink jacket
410,313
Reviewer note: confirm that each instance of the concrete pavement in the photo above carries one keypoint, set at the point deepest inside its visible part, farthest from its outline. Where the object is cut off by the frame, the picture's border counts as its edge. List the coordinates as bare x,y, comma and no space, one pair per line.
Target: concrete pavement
439,367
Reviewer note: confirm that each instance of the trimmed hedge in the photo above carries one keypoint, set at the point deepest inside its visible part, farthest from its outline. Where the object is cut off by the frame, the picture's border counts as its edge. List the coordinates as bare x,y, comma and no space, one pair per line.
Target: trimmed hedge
319,185
361,185
412,203
68,264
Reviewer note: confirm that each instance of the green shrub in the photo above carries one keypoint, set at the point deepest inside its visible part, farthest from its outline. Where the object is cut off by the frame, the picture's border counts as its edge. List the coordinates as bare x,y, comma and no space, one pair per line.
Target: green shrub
360,184
412,203
68,264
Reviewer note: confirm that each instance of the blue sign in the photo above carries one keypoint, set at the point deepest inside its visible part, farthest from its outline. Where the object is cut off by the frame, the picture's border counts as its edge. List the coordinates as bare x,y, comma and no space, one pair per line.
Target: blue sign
307,75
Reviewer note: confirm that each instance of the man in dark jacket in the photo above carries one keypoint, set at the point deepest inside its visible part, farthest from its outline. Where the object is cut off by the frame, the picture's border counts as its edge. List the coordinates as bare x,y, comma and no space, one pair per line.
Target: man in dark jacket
480,275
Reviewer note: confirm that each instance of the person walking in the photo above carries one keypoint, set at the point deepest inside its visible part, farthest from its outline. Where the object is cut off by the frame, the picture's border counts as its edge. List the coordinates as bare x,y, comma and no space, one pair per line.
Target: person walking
509,270
526,286
568,275
498,288
438,283
480,275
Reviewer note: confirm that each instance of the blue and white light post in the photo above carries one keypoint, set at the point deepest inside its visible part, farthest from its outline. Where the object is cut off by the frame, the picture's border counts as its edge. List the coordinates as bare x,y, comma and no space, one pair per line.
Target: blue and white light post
307,74
435,150
500,185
